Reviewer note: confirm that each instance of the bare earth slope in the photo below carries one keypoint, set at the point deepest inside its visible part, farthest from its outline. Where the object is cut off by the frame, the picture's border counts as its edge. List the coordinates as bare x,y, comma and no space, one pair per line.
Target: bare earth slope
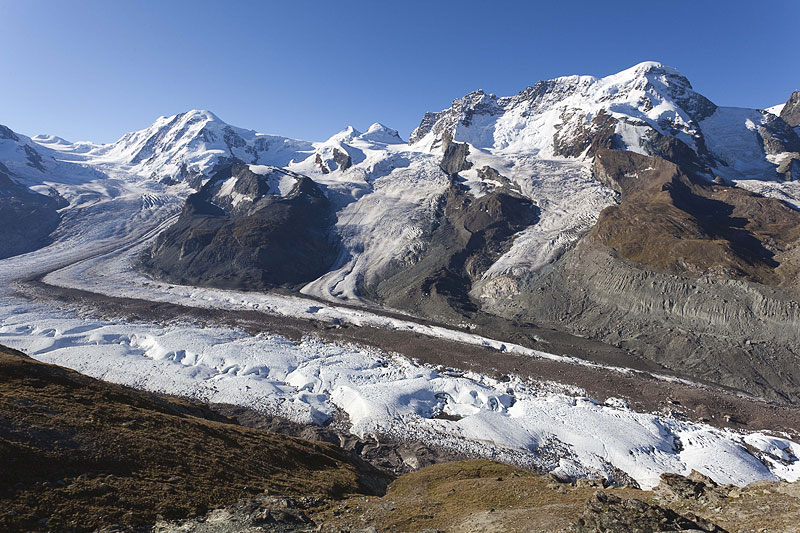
80,454
483,496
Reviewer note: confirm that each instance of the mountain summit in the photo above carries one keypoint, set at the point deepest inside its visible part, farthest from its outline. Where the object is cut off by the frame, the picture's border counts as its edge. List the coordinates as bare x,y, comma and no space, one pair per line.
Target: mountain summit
650,109
187,147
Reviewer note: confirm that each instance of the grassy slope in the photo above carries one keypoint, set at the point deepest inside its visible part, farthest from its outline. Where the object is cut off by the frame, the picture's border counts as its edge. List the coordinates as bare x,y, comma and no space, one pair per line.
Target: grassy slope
79,453
476,495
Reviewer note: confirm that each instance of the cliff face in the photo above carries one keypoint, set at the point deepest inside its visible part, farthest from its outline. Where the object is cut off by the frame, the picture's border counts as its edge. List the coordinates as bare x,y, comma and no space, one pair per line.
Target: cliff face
791,111
27,218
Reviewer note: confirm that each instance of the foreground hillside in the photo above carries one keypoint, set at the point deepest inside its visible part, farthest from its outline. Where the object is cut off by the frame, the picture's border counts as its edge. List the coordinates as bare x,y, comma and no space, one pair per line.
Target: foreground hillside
80,454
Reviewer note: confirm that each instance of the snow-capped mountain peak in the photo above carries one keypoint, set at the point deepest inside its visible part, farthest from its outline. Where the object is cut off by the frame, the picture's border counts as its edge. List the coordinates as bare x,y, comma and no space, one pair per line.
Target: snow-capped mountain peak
381,134
645,69
43,138
186,147
346,135
650,108
544,117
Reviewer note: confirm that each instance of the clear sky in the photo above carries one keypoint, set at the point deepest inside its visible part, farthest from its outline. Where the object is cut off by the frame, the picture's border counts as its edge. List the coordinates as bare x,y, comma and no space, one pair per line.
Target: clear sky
93,70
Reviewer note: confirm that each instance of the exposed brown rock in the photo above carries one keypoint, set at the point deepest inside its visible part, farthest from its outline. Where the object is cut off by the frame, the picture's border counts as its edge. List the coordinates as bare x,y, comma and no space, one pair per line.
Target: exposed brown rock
607,513
764,506
680,225
694,487
587,139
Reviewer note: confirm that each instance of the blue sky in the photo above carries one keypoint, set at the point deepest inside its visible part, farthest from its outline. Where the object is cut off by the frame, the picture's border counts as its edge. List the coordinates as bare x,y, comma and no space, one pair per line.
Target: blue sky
93,70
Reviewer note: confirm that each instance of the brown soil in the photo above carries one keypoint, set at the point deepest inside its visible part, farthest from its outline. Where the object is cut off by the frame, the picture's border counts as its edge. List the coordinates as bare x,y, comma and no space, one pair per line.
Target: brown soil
79,454
480,495
680,225
466,496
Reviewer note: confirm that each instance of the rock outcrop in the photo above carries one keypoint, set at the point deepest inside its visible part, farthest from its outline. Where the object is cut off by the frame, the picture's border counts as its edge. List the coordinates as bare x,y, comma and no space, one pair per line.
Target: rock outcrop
607,513
791,111
248,230
467,236
767,506
27,218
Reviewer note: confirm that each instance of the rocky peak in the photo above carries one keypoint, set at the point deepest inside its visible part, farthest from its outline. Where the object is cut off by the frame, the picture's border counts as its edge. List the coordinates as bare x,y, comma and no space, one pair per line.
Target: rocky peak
346,135
6,133
650,94
791,111
240,188
462,109
664,82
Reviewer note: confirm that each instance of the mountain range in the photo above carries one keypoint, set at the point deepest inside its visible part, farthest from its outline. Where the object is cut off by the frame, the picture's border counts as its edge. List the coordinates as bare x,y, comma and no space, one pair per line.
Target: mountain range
628,209
593,278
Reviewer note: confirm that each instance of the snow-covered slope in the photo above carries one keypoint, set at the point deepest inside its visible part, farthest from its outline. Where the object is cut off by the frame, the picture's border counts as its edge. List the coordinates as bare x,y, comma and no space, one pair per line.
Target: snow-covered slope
636,110
182,147
739,139
776,109
39,167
